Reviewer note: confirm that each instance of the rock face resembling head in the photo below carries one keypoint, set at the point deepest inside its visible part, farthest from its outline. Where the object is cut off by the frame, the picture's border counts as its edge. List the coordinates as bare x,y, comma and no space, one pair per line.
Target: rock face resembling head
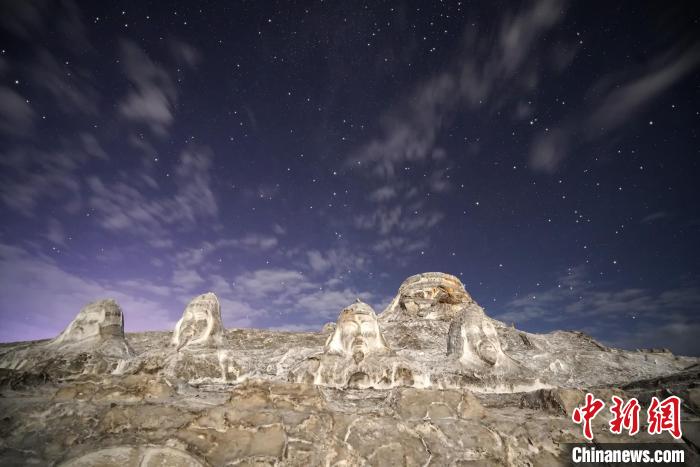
98,322
431,295
473,339
357,333
200,325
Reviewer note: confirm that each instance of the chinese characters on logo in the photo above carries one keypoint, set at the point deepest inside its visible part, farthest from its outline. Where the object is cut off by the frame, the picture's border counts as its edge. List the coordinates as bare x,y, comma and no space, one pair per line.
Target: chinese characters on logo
587,413
665,416
661,416
625,416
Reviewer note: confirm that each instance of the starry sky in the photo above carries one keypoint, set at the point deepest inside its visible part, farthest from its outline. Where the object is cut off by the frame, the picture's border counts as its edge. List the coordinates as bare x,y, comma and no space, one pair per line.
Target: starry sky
294,156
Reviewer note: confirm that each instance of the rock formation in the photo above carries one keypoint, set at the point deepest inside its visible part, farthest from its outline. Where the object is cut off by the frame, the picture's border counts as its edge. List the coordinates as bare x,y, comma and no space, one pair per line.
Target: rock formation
200,325
357,333
146,456
431,381
355,355
200,356
473,339
432,295
92,343
98,327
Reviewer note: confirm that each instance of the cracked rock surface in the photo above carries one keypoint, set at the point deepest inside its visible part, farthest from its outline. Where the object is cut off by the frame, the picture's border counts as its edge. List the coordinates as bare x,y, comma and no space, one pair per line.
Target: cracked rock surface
430,381
200,325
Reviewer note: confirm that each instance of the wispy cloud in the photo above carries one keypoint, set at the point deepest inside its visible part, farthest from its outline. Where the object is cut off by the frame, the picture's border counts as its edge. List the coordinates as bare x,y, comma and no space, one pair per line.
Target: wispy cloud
68,84
49,297
576,301
336,260
383,219
263,282
397,243
280,294
125,206
56,233
187,279
654,216
16,116
386,220
614,101
92,146
256,242
680,336
153,96
623,100
489,63
53,40
384,193
489,70
410,134
23,18
30,176
29,21
184,53
208,252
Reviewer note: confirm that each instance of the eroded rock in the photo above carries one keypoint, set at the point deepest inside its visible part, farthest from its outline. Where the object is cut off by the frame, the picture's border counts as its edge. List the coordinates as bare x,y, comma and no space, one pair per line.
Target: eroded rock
434,382
200,325
473,339
357,334
356,356
561,400
431,295
142,456
414,403
93,343
126,389
97,328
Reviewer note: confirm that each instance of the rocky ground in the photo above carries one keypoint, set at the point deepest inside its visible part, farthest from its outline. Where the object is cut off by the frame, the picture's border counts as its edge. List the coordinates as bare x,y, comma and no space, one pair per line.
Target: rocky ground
430,381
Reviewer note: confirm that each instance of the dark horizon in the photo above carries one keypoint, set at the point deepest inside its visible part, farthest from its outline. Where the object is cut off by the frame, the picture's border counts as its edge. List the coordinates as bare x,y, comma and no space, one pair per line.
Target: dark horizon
294,157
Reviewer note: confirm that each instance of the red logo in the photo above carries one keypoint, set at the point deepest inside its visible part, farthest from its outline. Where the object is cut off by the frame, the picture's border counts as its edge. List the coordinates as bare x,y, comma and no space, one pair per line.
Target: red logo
662,416
587,413
625,416
665,416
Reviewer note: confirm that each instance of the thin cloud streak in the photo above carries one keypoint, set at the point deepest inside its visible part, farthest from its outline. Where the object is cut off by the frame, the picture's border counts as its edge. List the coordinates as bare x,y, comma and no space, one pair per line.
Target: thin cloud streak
620,103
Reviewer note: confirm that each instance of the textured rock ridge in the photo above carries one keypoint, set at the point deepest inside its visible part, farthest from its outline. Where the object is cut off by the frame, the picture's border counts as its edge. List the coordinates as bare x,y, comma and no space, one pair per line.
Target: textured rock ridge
431,381
143,456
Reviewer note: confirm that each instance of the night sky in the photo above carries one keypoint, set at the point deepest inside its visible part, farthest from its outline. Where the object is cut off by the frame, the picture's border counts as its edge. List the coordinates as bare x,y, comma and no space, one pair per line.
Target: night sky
291,157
